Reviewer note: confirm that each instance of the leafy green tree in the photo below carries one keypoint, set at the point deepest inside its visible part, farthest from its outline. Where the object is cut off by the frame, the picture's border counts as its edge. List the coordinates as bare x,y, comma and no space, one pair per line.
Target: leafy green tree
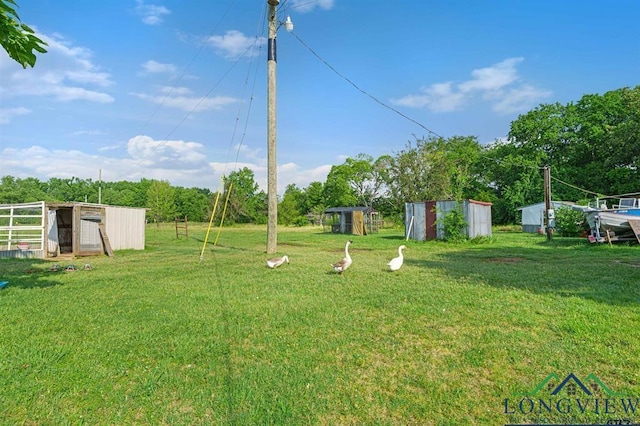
515,178
337,192
258,206
124,193
366,177
17,39
593,144
73,189
435,169
27,190
314,198
193,203
244,205
161,203
291,208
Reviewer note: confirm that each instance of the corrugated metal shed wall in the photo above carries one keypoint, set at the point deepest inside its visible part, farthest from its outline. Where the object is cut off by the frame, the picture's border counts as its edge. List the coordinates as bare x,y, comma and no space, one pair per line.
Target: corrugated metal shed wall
125,227
416,229
476,214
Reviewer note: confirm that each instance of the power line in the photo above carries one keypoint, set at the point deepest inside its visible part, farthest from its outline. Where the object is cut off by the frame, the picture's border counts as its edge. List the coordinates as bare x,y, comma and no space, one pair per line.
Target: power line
578,188
362,90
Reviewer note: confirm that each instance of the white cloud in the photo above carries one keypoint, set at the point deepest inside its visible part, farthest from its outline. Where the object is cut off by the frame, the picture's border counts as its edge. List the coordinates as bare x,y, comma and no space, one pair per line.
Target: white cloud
151,14
492,78
439,97
304,6
234,44
179,162
256,154
165,154
65,73
179,97
88,133
289,173
499,84
520,99
6,114
154,67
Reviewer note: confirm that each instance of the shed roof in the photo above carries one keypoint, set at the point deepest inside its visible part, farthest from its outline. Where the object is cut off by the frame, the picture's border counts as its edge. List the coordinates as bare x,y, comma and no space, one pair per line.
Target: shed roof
542,203
349,209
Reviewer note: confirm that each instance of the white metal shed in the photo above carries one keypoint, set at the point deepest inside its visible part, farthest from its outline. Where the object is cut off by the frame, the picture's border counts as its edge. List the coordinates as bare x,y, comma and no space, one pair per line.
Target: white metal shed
47,230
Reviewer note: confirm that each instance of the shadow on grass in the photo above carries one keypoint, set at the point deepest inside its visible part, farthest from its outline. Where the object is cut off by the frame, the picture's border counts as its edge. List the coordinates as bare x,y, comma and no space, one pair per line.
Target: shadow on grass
393,237
27,273
565,268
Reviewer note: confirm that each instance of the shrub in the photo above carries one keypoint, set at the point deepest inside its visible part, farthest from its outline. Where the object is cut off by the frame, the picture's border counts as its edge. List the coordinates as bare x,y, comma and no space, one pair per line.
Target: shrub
454,223
300,221
569,222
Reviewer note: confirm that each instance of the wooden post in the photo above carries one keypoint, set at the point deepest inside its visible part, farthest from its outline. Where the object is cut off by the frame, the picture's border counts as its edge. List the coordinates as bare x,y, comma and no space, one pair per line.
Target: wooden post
182,225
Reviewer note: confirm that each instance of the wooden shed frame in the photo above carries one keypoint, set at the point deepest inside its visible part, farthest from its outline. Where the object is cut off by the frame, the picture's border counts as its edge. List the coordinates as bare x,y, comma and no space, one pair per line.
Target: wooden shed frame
49,230
351,220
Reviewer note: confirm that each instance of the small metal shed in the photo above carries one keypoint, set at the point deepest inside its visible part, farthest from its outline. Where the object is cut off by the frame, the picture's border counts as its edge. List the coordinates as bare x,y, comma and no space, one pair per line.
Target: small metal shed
47,230
350,220
533,215
423,221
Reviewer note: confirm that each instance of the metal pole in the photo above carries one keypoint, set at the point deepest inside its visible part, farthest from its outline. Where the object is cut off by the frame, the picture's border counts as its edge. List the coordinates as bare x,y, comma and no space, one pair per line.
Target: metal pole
272,173
547,199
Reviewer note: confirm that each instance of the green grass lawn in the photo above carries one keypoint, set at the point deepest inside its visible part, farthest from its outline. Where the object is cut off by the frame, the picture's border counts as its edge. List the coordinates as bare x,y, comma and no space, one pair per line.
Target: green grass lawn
161,337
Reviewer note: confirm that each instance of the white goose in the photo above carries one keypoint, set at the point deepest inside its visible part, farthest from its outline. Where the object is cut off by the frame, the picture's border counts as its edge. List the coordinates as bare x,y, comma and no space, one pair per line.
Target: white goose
346,261
277,261
396,262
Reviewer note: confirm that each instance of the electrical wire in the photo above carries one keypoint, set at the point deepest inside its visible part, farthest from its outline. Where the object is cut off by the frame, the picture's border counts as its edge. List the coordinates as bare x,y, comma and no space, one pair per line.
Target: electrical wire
175,84
378,101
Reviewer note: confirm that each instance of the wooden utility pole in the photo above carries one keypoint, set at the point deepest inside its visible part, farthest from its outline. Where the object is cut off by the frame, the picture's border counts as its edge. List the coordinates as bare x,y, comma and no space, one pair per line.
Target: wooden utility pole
272,174
547,200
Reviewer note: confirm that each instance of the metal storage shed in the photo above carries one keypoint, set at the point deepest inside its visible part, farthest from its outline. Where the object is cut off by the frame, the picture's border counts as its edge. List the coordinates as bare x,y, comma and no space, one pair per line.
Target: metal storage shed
533,215
350,220
423,221
47,230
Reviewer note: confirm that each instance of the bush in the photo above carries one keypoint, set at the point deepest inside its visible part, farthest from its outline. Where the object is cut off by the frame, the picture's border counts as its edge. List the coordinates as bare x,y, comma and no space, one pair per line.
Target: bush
454,224
569,222
300,221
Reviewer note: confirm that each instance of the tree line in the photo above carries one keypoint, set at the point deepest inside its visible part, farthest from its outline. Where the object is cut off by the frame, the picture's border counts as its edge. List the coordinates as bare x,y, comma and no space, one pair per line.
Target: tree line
592,147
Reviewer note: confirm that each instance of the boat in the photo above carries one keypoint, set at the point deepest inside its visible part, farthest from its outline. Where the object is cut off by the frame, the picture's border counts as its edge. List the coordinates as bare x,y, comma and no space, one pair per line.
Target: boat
612,224
615,223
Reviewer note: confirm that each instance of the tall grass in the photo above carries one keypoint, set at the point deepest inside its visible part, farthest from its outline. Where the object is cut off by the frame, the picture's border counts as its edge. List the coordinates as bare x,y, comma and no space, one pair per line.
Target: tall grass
161,337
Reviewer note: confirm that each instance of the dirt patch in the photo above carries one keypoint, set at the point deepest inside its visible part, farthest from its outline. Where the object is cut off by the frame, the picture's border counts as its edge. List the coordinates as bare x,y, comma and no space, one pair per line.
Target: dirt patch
633,265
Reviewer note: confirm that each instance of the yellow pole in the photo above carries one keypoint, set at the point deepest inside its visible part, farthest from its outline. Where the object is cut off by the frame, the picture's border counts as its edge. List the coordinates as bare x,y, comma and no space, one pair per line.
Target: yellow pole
213,214
224,211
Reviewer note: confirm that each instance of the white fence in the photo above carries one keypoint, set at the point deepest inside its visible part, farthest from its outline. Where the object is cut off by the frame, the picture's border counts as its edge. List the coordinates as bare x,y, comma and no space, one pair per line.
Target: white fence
22,230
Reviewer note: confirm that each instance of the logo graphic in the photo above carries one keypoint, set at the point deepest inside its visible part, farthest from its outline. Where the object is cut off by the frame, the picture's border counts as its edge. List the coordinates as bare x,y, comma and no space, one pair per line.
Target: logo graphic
571,401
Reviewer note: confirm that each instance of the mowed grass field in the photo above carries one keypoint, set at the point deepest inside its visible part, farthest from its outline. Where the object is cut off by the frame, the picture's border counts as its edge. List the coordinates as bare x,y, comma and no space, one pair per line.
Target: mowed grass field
163,337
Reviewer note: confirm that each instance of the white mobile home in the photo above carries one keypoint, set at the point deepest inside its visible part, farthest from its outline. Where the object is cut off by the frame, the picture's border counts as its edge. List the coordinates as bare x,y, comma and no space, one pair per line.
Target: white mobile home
533,215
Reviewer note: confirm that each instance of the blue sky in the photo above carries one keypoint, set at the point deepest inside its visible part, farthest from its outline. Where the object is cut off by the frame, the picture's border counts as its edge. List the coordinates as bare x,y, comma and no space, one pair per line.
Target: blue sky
176,89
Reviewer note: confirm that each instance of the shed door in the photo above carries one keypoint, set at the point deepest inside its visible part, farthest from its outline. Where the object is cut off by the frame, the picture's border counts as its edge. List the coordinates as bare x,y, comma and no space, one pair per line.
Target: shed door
87,230
430,220
415,221
358,223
